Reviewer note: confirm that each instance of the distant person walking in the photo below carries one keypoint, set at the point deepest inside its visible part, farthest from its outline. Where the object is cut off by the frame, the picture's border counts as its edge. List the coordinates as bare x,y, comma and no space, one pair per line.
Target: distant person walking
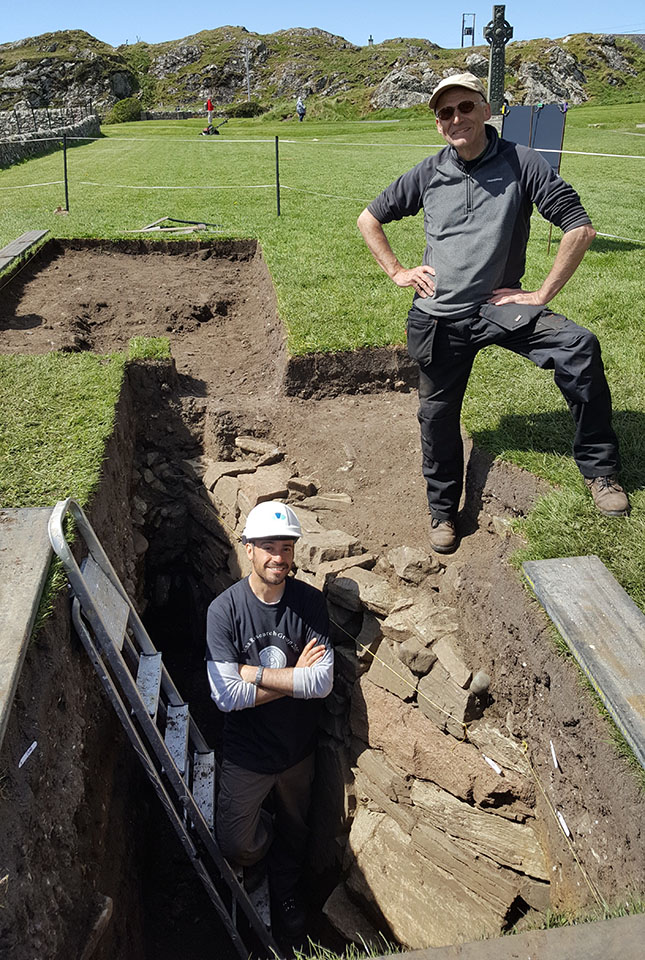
301,109
209,110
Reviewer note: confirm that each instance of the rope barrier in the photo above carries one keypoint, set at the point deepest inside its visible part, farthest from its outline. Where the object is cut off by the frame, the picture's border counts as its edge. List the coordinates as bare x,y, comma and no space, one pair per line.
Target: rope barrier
536,218
583,153
613,236
196,139
329,196
24,186
320,141
130,186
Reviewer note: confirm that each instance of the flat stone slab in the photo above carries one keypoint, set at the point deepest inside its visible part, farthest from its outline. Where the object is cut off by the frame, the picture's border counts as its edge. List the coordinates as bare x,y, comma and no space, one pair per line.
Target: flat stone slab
585,941
25,555
604,630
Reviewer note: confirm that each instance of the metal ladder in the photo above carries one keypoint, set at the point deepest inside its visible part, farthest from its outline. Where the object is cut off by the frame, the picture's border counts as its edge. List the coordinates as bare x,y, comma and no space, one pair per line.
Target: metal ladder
177,760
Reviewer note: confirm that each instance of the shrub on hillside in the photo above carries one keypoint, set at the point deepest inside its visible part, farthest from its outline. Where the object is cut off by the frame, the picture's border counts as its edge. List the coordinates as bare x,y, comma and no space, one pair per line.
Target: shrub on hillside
124,111
249,108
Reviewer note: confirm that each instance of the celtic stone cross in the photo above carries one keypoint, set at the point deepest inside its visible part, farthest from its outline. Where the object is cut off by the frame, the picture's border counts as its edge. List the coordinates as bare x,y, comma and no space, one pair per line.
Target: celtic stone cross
497,33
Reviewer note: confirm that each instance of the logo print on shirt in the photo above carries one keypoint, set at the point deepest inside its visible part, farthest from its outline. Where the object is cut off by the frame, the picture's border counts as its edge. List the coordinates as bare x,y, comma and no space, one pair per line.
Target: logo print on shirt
273,657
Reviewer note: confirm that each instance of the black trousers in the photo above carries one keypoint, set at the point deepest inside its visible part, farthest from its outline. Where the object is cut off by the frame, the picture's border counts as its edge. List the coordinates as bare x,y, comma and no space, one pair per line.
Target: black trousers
246,831
445,351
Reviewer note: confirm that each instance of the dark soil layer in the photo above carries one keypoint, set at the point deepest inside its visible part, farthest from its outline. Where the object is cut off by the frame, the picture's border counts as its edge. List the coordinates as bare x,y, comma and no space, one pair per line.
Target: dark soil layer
217,306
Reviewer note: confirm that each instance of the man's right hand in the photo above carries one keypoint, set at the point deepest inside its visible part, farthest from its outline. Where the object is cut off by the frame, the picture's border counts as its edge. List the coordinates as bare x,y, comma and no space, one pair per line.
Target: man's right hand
421,278
418,277
311,653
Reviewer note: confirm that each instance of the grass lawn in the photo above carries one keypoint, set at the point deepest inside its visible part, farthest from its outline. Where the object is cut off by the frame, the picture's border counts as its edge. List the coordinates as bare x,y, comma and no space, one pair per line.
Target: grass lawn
332,296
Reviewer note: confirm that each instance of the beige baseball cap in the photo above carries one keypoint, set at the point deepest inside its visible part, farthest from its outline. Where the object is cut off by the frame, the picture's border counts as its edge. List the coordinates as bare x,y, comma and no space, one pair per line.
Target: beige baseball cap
467,80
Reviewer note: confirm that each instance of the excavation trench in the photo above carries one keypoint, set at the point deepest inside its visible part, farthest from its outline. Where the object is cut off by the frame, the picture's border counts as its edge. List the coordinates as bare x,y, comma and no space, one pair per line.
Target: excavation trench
411,825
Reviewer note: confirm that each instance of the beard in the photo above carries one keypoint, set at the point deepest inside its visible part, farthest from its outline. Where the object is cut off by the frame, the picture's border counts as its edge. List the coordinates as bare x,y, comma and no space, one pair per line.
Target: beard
271,575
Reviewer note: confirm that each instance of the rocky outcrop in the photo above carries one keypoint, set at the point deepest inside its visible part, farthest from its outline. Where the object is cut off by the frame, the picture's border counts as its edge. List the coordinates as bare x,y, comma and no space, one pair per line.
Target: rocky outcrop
607,51
52,72
175,58
477,64
406,86
561,79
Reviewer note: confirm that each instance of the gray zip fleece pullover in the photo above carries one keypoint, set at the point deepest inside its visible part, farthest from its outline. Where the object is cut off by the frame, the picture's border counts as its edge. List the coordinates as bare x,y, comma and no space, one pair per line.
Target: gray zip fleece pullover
477,220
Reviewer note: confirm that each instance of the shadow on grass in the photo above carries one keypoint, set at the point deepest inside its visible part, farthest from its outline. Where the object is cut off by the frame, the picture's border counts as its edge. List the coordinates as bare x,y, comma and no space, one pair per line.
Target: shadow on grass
552,432
608,245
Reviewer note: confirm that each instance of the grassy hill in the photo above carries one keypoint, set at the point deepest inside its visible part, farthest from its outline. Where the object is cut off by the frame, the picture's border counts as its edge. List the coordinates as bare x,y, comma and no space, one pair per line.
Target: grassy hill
338,78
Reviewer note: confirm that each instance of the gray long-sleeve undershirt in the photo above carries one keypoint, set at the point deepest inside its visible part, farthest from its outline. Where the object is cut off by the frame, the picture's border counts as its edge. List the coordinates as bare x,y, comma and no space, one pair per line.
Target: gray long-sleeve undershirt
230,692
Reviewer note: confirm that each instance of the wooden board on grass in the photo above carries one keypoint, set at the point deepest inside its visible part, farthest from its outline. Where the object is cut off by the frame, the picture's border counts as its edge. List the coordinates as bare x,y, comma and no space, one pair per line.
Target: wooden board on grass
605,631
18,246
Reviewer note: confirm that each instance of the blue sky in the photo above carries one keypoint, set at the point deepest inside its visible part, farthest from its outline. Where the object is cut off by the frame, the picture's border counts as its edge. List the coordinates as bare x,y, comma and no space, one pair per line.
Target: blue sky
115,21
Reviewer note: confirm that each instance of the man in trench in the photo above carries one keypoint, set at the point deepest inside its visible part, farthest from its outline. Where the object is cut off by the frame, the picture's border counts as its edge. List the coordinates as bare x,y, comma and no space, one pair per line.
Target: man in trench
477,195
269,662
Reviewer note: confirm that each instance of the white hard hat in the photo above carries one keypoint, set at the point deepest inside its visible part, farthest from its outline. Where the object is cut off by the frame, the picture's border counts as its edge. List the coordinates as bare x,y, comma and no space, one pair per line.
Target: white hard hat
272,520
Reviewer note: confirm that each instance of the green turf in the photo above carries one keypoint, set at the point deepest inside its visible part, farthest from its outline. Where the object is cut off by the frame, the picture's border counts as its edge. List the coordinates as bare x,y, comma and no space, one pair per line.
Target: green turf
56,414
332,296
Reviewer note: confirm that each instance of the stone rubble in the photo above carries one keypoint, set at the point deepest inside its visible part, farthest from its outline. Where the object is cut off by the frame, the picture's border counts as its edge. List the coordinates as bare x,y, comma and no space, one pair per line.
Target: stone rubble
430,840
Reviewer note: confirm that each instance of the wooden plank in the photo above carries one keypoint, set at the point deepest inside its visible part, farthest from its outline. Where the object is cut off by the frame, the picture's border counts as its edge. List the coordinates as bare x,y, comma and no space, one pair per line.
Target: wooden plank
18,246
605,631
25,555
113,609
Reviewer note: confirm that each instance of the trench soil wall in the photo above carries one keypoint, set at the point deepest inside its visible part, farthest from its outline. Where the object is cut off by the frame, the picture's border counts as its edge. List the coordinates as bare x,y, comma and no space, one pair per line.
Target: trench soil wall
392,772
70,837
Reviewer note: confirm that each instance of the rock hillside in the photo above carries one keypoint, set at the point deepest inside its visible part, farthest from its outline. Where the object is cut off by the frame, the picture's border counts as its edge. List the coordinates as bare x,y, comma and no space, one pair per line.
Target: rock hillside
67,67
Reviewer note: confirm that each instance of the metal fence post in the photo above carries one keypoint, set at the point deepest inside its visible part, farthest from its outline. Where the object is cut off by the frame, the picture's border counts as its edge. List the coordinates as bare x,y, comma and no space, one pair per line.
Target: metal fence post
65,171
277,175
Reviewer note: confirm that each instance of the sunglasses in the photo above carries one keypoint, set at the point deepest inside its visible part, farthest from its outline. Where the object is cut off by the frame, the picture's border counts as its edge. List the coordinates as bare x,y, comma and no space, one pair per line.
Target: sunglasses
466,106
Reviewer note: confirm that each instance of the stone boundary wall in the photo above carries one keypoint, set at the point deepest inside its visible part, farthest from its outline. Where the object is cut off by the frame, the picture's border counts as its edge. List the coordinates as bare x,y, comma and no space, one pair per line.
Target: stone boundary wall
172,114
432,834
20,147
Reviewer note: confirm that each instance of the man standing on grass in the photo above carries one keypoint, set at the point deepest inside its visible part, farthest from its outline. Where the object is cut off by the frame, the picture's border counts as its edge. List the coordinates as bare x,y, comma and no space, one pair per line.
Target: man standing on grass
477,195
269,662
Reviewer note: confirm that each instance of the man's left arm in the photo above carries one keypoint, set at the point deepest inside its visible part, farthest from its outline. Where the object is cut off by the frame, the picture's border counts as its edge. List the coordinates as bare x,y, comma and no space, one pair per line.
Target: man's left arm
311,678
572,249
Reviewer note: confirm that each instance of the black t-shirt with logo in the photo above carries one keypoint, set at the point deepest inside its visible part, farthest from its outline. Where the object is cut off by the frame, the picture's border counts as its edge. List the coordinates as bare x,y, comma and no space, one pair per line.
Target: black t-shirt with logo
242,629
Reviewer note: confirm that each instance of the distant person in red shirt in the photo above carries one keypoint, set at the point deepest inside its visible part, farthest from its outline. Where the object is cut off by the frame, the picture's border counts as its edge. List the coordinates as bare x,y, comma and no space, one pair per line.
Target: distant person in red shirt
209,110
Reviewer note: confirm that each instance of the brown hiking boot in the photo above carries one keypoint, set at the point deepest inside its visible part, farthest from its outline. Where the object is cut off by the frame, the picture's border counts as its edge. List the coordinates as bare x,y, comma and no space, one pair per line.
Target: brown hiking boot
608,495
443,535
